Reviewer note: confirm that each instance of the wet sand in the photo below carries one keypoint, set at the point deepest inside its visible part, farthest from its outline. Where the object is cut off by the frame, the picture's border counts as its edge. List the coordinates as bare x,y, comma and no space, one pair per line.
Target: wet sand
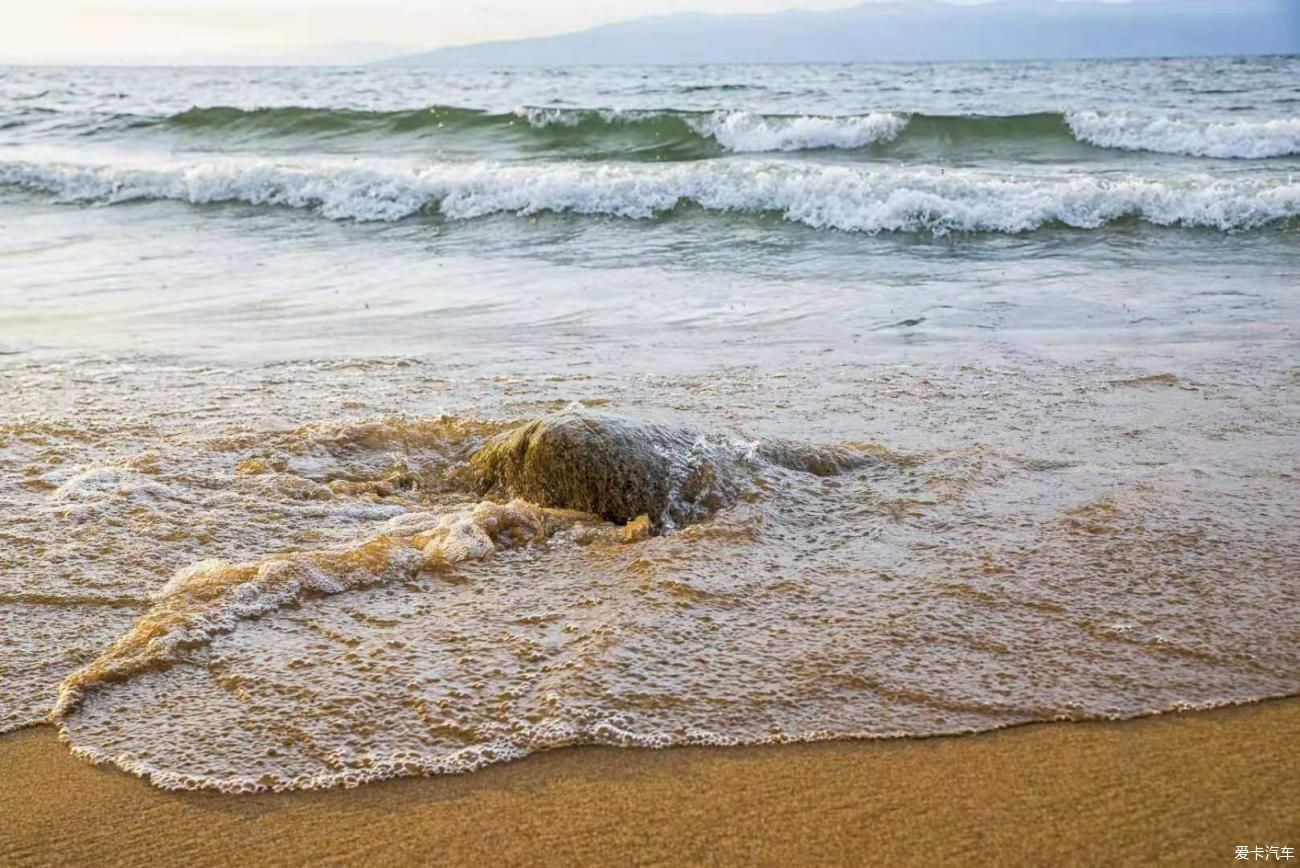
1183,788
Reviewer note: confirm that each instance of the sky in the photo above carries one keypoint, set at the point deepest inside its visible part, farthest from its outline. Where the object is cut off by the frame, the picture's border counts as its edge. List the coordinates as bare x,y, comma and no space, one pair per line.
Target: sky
310,31
324,31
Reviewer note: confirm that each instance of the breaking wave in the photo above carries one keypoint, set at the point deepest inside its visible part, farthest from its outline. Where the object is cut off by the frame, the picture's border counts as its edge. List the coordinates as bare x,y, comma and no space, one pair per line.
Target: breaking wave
595,132
1246,140
735,131
662,134
819,196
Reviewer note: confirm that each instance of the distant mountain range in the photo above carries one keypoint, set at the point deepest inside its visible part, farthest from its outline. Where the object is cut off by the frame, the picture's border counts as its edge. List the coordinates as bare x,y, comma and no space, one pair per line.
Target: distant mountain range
911,31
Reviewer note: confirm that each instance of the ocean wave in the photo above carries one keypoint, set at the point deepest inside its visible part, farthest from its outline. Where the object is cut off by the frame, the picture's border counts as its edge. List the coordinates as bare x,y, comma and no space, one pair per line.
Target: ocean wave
1246,140
666,134
746,132
709,132
736,131
819,196
306,119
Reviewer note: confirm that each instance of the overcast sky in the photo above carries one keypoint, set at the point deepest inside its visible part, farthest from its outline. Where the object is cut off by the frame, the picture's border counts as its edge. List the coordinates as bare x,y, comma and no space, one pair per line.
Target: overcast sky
326,31
214,31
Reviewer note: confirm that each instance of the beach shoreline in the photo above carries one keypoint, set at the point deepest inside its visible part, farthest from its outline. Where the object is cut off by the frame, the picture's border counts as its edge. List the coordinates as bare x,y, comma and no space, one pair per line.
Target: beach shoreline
376,420
1178,788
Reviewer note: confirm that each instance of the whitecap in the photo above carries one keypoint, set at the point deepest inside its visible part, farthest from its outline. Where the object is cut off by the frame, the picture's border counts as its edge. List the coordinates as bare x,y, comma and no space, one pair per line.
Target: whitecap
846,198
1245,140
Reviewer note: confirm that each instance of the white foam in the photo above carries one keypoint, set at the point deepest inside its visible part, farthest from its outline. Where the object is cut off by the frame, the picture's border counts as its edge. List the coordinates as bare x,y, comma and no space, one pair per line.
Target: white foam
541,117
211,597
96,484
747,132
1246,140
893,199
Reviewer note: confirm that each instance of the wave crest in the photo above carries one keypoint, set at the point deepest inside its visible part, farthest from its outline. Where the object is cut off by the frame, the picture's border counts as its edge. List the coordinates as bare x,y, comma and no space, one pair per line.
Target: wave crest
672,134
734,131
747,132
1245,140
819,196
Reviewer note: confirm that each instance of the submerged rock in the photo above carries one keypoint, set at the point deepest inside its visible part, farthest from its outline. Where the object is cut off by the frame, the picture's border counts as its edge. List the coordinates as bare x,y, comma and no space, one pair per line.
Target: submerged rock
620,468
611,466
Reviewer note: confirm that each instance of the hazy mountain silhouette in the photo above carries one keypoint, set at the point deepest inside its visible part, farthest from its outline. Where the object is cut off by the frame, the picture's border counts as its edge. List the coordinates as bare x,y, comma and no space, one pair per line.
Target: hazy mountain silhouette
921,30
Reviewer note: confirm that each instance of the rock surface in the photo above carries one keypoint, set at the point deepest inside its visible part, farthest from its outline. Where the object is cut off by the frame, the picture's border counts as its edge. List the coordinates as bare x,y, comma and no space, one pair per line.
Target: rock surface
620,468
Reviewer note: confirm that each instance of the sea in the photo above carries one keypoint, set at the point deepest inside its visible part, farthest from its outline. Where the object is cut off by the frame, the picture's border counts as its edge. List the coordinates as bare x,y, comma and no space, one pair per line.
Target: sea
254,323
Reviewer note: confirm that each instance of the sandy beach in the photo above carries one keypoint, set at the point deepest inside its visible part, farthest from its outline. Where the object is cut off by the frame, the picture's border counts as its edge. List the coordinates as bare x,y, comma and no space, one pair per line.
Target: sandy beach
1175,789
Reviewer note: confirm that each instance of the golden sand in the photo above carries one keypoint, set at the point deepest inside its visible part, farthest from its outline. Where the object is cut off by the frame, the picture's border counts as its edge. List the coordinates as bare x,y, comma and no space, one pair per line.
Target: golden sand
1179,789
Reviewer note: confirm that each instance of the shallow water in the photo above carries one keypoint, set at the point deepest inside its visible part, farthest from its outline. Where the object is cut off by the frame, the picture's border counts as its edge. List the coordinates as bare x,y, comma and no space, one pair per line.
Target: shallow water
247,351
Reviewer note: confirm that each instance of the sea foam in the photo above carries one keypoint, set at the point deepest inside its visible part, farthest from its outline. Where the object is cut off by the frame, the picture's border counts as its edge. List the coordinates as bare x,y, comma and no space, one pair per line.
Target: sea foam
212,596
888,199
738,131
748,132
1246,140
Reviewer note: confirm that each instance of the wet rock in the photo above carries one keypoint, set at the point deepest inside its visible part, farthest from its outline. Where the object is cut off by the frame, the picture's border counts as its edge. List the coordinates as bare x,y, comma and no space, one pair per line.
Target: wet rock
611,466
620,468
